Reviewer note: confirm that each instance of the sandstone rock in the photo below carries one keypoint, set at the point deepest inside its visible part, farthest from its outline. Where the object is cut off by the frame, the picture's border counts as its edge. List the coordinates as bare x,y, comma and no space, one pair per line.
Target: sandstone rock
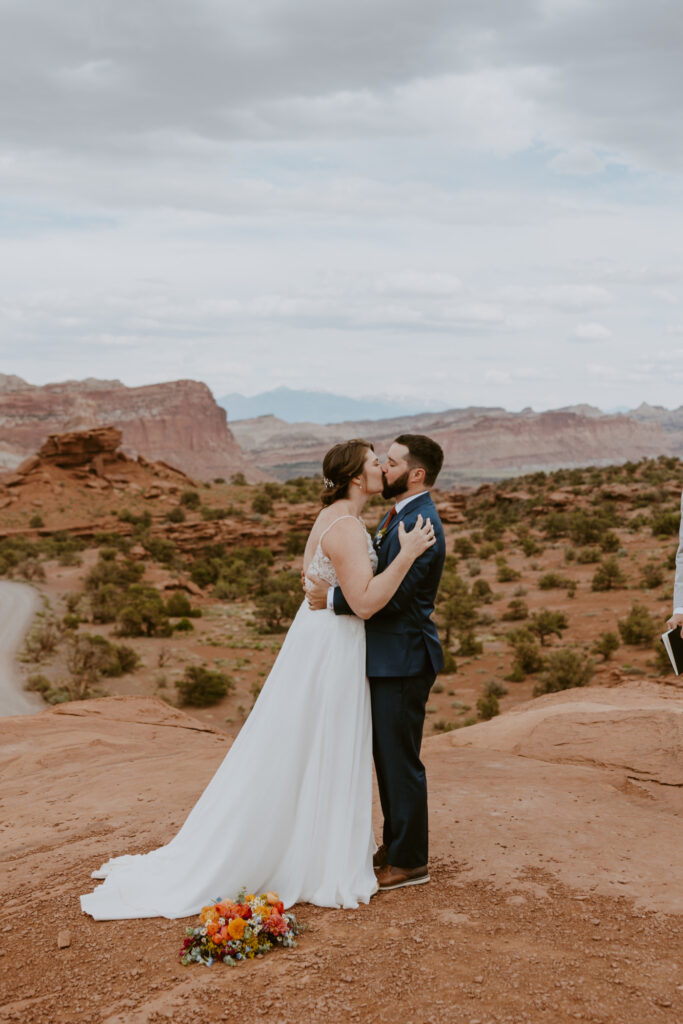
78,447
63,939
179,422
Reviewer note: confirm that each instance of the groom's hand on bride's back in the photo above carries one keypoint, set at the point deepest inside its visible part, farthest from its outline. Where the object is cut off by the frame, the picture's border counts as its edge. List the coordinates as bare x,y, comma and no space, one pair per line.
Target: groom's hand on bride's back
316,593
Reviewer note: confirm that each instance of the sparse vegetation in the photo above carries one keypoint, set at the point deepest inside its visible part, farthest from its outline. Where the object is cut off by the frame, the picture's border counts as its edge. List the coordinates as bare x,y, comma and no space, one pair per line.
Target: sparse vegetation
201,686
638,628
564,669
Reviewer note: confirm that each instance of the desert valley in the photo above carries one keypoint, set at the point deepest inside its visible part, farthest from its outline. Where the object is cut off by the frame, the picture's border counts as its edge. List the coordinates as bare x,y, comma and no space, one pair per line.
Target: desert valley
162,545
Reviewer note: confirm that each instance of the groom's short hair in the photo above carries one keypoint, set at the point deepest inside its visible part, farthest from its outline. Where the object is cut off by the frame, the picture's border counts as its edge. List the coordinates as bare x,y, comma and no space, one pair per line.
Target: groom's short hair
424,452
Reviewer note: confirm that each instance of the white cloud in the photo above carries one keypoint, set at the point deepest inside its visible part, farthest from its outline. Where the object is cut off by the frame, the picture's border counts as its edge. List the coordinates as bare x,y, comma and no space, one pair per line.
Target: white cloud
591,332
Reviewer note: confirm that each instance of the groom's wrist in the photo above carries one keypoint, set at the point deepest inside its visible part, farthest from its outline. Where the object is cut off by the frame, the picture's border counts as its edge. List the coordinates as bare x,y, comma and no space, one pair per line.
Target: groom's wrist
330,599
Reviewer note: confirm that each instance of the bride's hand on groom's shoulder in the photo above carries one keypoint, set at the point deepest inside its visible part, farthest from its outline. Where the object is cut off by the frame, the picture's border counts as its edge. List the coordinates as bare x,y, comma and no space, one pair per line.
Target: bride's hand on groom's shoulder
416,541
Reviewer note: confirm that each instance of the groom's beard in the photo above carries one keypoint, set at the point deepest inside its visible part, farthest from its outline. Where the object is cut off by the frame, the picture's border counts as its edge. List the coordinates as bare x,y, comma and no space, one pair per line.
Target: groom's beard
399,486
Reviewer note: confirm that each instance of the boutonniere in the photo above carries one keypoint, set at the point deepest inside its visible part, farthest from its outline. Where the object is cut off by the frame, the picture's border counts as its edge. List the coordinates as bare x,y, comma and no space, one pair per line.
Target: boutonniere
379,536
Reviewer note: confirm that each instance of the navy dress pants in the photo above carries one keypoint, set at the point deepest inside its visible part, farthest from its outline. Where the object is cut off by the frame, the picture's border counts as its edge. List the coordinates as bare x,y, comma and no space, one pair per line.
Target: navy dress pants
398,714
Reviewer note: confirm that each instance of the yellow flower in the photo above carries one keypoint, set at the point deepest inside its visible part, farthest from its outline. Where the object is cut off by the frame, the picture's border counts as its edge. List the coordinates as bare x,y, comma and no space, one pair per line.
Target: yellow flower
236,928
208,914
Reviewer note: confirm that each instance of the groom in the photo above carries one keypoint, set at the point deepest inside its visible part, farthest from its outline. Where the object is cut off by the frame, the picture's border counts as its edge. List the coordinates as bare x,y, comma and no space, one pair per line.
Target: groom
403,658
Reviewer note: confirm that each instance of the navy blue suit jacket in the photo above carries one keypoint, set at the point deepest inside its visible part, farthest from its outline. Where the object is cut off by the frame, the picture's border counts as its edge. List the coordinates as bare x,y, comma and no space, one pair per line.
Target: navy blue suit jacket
401,638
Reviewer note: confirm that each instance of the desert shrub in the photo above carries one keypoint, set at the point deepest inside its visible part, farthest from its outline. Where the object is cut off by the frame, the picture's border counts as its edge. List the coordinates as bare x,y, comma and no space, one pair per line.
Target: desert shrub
564,669
556,525
553,581
279,602
638,629
143,521
30,569
486,551
529,544
262,503
86,659
190,499
273,489
488,707
546,623
456,607
665,524
473,567
516,610
589,555
36,521
178,605
176,515
606,644
469,647
464,547
442,725
653,576
42,639
610,542
159,548
481,592
201,686
295,543
235,572
495,689
505,572
107,583
39,683
208,513
238,480
608,575
183,626
527,657
450,665
142,613
70,621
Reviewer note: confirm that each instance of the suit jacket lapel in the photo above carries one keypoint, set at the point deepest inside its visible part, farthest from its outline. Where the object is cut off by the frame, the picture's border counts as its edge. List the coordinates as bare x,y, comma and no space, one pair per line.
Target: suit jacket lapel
412,506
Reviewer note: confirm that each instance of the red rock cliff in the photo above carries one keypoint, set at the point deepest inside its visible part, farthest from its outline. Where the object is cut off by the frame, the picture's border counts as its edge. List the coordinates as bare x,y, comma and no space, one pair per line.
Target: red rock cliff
179,422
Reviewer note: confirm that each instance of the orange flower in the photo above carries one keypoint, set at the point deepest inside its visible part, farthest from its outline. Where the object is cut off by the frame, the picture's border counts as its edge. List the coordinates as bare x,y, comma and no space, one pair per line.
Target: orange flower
272,898
208,914
212,928
236,928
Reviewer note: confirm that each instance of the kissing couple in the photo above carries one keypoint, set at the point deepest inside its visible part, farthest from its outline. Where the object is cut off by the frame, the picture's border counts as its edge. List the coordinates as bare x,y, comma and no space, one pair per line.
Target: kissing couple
289,809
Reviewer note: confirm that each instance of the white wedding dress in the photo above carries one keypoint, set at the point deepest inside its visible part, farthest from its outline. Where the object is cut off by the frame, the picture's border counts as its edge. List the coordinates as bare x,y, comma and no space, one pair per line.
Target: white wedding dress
290,807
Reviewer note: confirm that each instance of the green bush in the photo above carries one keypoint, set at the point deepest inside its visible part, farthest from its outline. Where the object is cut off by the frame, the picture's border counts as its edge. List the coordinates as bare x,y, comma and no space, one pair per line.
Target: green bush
564,668
238,480
176,515
481,592
495,689
456,607
606,644
527,655
38,683
587,556
209,513
638,629
608,575
665,524
546,622
201,686
36,521
464,547
178,605
610,542
554,581
262,504
505,572
280,601
469,647
183,626
450,665
653,576
142,613
295,543
516,610
488,707
190,499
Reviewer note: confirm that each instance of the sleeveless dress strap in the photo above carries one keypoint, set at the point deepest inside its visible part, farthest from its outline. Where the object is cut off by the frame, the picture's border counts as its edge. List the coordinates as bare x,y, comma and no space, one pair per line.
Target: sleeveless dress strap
337,520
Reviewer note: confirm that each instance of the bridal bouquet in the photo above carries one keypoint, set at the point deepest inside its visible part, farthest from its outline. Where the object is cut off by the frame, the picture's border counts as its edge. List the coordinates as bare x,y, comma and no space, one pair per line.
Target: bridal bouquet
239,930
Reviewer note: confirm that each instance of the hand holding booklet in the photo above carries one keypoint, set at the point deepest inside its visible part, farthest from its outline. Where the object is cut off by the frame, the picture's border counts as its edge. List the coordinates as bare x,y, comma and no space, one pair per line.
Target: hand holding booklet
673,641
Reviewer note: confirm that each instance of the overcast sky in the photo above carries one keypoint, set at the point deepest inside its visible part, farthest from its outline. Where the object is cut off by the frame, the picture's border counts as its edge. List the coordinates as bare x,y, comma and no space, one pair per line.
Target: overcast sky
463,201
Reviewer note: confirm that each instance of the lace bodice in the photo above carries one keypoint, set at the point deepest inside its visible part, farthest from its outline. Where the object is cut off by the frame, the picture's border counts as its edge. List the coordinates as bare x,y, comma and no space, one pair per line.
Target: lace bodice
322,567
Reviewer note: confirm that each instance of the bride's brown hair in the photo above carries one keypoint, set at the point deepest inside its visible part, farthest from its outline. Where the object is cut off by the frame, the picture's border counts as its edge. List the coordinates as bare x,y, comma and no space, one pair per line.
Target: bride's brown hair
340,465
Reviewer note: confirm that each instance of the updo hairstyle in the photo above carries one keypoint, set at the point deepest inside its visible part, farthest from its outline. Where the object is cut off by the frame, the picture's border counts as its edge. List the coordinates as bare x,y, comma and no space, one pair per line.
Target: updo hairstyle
340,465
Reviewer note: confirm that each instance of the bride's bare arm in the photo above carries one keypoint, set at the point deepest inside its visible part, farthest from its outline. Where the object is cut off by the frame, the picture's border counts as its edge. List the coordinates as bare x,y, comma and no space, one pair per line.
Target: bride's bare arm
346,546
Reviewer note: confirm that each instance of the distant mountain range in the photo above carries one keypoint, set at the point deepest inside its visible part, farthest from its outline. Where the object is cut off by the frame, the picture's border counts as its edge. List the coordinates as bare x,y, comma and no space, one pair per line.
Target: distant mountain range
297,406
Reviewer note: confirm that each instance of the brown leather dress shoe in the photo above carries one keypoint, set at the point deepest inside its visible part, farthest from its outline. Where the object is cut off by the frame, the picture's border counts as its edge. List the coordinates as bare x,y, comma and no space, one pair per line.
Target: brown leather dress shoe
390,877
380,857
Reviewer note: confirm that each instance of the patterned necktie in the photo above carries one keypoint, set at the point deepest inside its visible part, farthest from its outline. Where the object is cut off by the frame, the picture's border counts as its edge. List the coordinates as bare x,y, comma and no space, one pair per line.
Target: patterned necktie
387,522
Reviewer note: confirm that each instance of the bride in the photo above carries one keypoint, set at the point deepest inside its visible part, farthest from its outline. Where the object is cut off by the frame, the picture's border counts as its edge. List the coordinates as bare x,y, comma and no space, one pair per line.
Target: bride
289,809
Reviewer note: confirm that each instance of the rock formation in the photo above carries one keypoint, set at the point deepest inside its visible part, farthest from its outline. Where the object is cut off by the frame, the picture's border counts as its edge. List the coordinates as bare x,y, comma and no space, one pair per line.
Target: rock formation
478,443
178,422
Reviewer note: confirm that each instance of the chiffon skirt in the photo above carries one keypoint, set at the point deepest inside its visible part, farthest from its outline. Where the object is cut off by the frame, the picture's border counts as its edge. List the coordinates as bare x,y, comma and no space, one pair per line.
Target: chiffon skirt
290,807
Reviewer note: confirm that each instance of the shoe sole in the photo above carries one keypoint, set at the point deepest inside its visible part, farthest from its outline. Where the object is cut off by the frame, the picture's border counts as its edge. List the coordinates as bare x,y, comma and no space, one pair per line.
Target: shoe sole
409,881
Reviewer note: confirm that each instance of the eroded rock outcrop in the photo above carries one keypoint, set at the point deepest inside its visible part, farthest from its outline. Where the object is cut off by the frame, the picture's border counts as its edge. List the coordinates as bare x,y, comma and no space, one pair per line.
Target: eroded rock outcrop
178,422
